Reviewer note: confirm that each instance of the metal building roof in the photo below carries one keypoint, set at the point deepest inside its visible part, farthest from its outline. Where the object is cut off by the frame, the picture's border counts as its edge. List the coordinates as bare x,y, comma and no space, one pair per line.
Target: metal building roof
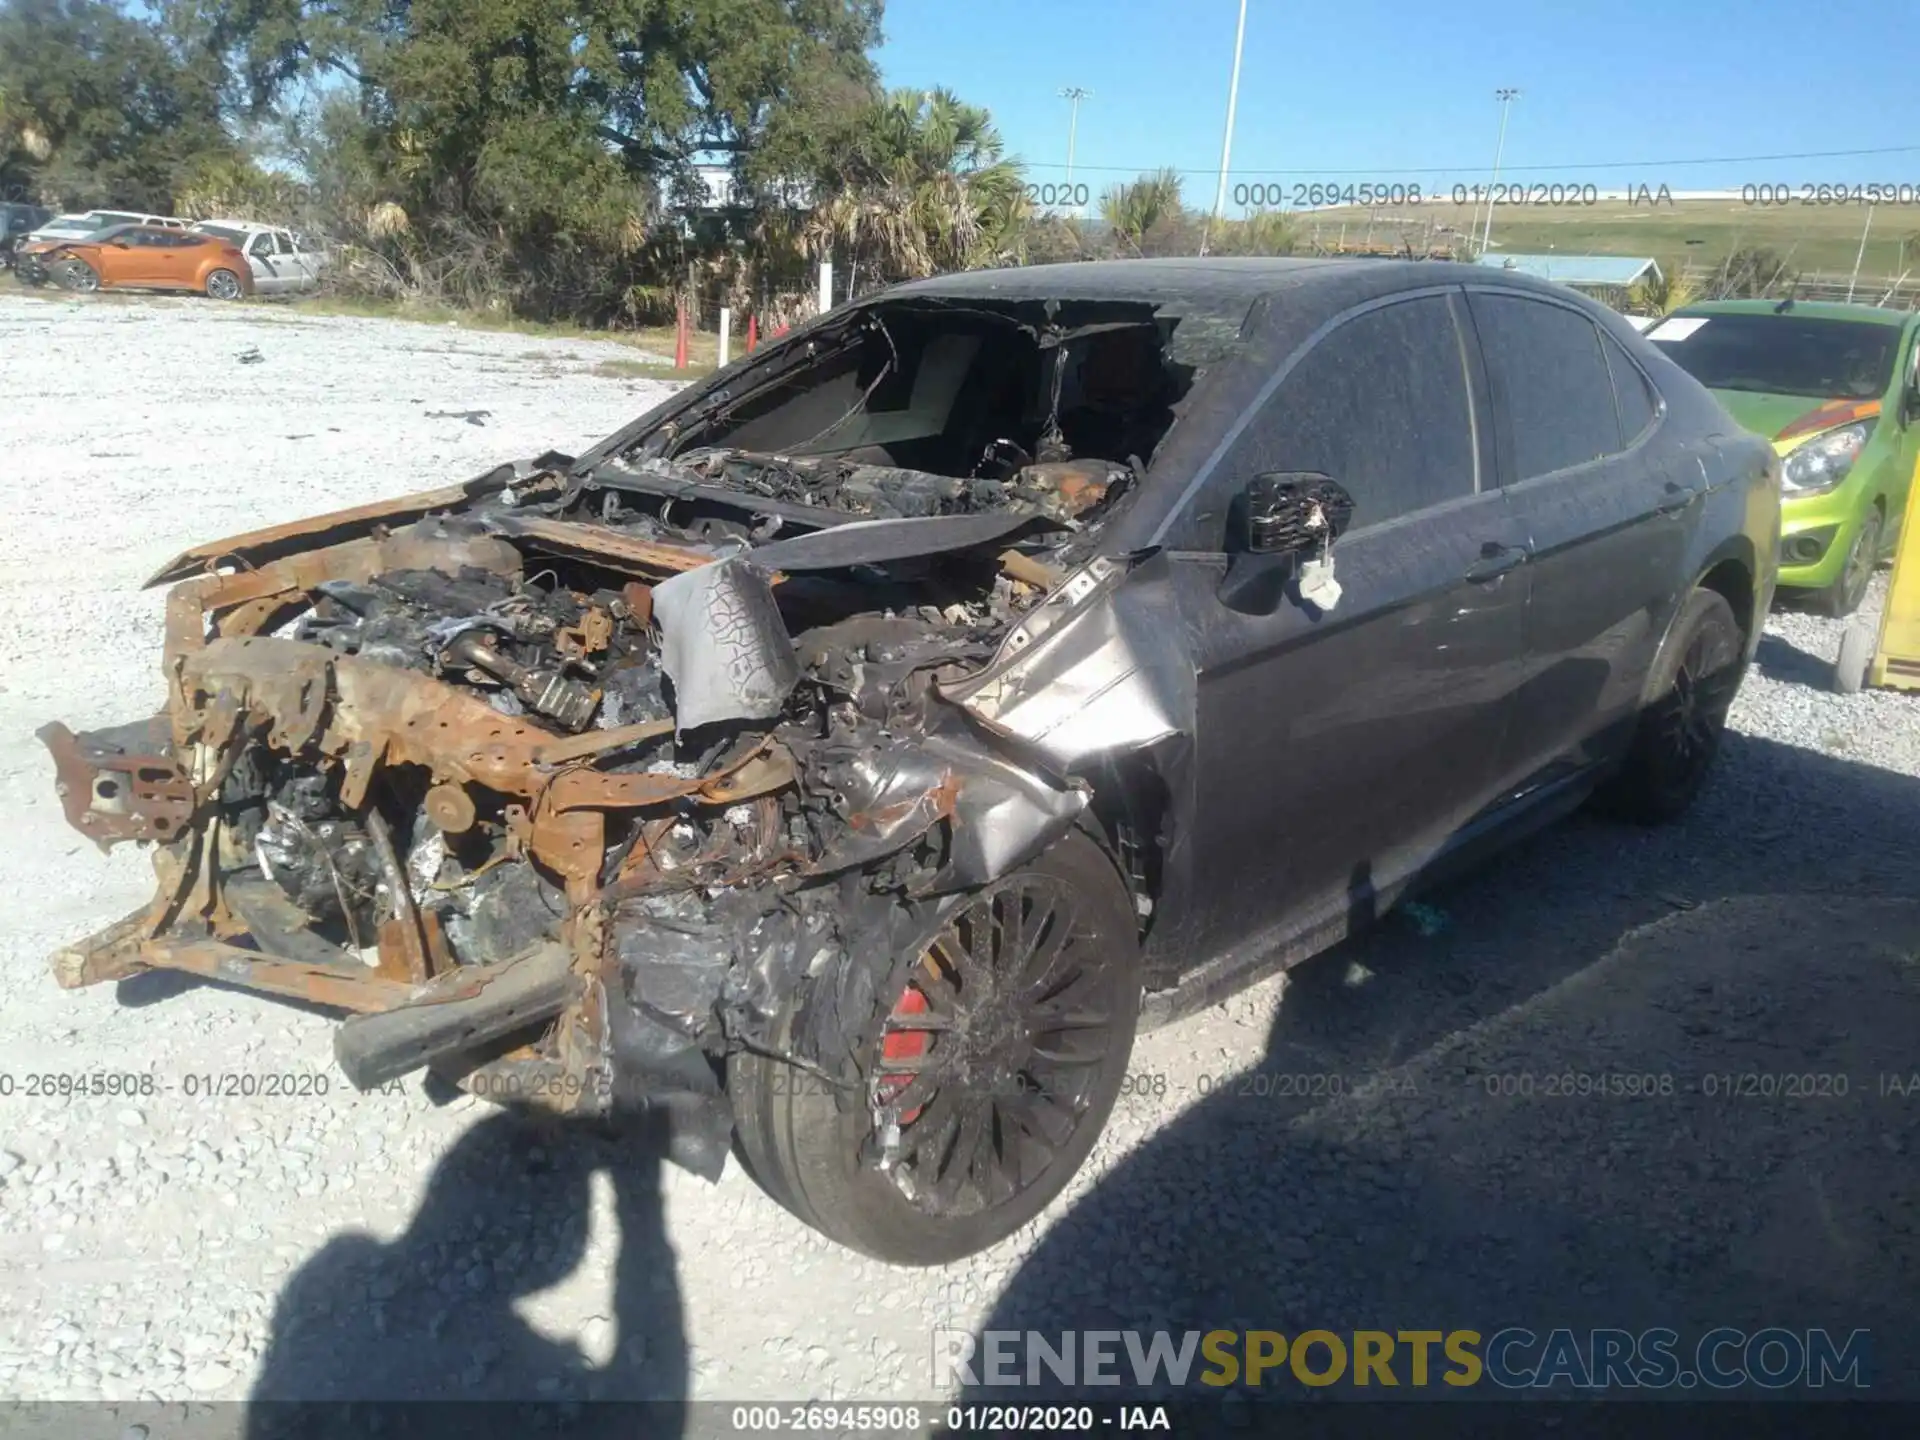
1575,269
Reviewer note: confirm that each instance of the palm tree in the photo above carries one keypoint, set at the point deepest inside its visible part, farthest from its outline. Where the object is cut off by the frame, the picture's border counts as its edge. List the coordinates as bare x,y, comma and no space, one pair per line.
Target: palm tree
1664,291
1135,208
922,185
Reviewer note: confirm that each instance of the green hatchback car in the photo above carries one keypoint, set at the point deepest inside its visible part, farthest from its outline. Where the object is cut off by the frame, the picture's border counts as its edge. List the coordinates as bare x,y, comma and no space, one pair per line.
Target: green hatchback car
1834,388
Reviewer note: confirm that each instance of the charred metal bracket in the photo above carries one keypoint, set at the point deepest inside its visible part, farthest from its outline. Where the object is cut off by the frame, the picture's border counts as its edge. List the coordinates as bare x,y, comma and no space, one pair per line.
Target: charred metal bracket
119,784
477,1005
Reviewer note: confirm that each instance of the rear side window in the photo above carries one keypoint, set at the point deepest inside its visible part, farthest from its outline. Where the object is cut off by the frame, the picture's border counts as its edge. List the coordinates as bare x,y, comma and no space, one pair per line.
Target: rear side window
1381,405
1550,376
1632,393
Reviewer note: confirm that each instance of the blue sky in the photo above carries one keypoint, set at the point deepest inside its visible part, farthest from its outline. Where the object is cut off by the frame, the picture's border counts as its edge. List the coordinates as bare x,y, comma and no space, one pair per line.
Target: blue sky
1386,90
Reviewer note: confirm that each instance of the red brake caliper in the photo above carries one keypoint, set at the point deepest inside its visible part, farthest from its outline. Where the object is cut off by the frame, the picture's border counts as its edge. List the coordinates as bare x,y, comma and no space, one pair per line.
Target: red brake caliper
904,1045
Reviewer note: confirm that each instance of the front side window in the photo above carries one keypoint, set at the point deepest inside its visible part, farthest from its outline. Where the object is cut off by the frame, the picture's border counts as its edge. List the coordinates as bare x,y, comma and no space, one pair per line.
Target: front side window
1382,405
1550,377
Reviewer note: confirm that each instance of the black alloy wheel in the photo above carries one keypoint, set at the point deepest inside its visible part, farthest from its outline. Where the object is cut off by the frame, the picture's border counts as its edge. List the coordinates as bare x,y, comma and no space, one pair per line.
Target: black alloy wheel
994,1050
1678,735
991,1069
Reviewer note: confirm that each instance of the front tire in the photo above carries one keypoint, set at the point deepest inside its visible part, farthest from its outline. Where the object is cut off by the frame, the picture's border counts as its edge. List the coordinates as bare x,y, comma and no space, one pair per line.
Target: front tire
77,276
1843,596
985,1076
224,285
1678,734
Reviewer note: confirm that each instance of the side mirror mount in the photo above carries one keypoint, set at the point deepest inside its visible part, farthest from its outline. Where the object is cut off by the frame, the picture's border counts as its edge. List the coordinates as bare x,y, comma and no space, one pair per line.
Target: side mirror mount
1910,403
1288,513
118,244
1280,520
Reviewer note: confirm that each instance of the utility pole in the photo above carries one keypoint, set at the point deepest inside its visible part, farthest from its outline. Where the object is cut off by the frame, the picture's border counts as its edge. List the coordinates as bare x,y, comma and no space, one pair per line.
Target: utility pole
1506,97
1860,255
1226,144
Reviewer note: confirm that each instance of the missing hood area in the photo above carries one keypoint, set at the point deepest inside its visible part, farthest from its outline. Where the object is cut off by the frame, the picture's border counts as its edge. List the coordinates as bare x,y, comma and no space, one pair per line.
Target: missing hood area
574,779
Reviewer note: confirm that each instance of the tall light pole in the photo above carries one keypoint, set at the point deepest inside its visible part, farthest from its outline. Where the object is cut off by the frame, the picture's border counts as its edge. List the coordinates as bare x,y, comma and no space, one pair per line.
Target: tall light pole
1073,95
1226,143
1506,99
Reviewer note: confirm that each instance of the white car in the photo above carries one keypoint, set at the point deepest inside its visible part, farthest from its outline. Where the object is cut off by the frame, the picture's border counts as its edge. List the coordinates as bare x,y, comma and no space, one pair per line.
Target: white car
282,261
87,222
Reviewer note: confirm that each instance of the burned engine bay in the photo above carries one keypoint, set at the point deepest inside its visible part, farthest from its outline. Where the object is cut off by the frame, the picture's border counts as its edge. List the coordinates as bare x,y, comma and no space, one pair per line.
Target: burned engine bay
573,779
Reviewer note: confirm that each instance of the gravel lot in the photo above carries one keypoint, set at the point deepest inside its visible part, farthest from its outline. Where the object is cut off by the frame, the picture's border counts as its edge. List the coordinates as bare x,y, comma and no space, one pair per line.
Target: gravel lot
167,1247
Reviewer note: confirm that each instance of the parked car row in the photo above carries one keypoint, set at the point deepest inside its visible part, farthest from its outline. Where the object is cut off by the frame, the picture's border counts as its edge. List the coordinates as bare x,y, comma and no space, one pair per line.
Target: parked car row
117,249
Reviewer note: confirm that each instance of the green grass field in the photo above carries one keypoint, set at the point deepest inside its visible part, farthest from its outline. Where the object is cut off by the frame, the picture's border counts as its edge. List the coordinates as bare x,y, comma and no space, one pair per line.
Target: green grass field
1700,232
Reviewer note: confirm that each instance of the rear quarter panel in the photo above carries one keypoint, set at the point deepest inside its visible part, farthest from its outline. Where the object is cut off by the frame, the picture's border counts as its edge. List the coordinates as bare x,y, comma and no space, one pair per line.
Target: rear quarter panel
1740,518
224,259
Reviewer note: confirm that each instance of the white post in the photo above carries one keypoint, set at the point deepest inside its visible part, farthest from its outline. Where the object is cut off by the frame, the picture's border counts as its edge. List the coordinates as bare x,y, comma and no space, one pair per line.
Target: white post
1860,255
826,286
726,335
1226,144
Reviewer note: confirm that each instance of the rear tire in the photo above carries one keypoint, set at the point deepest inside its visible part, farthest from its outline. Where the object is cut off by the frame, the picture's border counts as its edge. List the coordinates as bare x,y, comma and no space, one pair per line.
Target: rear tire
997,1090
224,285
1843,596
1692,687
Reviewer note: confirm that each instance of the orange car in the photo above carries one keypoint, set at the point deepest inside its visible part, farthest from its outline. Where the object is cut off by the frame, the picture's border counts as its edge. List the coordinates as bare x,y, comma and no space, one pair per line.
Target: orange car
149,258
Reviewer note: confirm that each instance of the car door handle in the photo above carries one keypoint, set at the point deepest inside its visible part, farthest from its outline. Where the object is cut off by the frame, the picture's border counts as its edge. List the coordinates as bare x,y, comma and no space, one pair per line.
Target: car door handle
1496,560
1678,498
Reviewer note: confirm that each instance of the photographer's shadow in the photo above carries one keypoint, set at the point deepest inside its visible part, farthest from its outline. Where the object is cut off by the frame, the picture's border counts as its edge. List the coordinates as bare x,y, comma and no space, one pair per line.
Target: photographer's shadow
441,1312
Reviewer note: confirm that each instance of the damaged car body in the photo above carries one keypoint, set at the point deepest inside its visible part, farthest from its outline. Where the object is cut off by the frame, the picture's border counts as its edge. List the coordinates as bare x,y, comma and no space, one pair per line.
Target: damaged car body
845,758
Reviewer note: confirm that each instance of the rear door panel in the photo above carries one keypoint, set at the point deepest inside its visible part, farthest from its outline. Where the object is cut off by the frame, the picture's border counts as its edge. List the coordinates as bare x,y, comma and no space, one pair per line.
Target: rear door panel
1610,540
267,277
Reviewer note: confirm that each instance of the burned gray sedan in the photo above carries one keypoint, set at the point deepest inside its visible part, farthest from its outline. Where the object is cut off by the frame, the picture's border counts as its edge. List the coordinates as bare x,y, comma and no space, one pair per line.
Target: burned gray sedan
843,761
